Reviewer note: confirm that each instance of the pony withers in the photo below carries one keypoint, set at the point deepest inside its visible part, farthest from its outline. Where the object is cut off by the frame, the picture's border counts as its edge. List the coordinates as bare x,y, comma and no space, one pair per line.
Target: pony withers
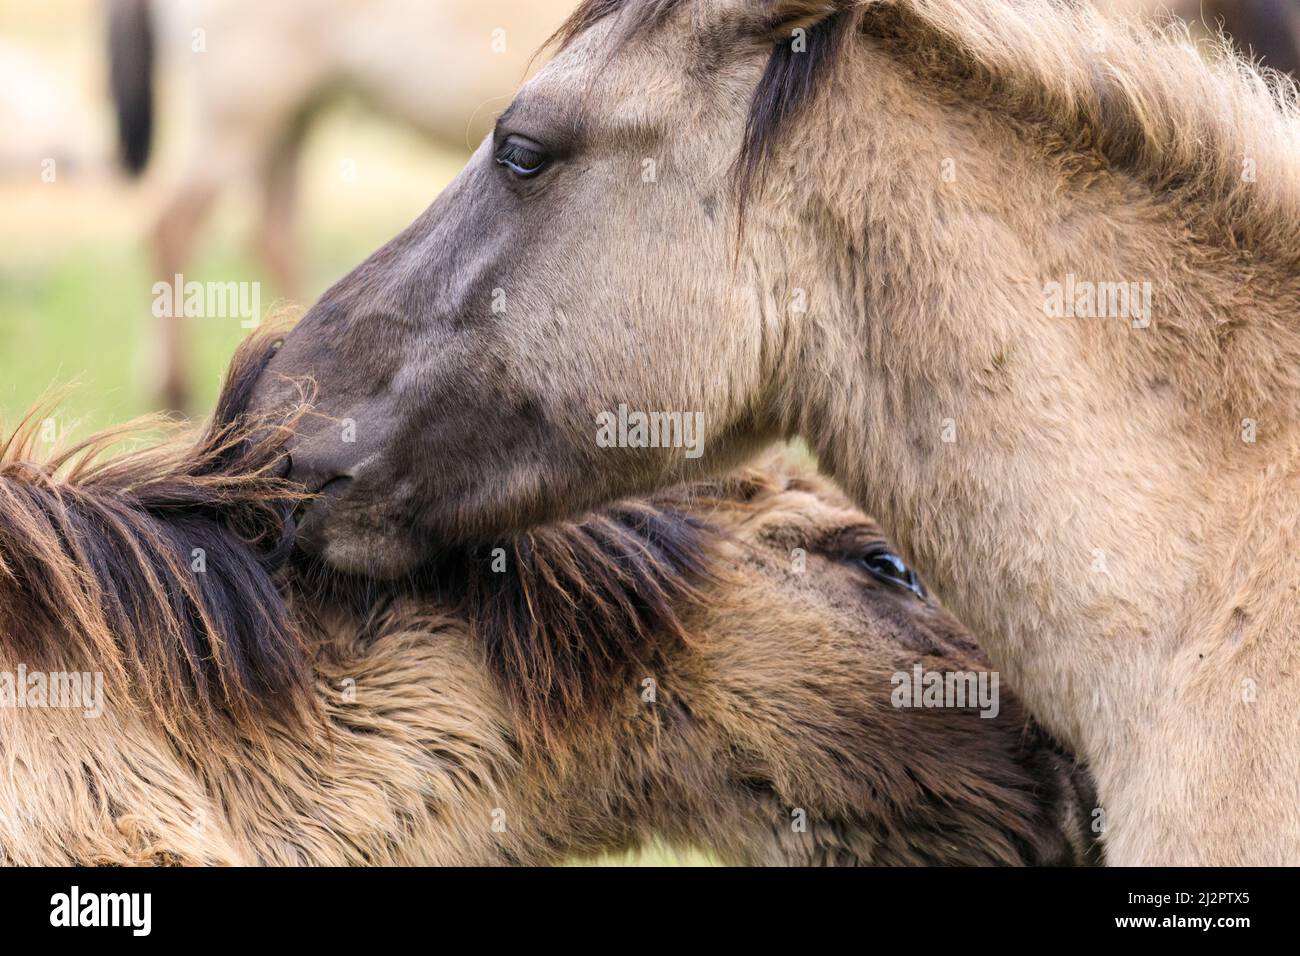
713,667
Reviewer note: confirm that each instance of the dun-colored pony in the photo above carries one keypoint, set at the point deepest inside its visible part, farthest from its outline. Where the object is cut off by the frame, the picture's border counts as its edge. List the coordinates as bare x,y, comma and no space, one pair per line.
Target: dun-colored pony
1027,281
714,668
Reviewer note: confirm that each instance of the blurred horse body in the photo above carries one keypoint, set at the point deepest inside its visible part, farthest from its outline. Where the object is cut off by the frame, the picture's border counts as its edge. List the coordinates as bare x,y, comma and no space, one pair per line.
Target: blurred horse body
1266,31
47,130
256,75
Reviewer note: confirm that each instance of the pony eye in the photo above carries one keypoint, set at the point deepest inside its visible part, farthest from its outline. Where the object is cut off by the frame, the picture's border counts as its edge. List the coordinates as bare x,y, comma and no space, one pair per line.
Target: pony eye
522,157
887,567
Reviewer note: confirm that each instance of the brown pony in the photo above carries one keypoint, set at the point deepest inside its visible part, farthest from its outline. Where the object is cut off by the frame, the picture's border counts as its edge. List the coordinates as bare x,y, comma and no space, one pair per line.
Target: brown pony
711,668
1027,280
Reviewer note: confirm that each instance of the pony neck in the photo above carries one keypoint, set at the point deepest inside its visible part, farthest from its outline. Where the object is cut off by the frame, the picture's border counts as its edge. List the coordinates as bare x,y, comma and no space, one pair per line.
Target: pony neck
1051,474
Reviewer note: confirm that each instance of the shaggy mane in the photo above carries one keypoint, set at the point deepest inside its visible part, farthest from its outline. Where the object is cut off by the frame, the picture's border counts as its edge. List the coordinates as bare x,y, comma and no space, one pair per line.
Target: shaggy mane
585,610
1129,96
158,567
1140,98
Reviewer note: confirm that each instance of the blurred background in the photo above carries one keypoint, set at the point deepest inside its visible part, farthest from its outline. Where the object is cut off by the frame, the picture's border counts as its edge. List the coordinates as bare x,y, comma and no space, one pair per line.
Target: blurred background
240,91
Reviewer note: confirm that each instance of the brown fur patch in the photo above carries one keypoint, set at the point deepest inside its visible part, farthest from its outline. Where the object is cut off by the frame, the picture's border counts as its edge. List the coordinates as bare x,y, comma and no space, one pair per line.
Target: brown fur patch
580,607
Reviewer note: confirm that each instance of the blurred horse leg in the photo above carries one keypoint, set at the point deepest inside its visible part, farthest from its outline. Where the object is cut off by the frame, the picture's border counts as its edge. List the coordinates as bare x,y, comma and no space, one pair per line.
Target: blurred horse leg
231,153
275,242
174,235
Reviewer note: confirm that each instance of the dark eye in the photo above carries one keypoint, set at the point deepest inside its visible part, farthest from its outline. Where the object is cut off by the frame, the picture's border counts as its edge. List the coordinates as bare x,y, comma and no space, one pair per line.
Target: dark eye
884,565
521,156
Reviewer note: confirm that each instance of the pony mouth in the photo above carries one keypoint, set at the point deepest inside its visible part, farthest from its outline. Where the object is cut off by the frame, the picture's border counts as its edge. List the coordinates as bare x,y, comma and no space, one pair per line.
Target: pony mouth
333,488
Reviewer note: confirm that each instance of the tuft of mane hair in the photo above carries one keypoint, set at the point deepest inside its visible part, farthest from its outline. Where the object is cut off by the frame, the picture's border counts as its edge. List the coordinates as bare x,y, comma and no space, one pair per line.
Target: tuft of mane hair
1115,93
1102,93
568,614
159,567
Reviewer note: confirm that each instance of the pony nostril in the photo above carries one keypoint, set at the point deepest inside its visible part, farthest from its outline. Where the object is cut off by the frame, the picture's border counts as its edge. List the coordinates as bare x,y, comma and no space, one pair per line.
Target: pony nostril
318,482
334,488
319,474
